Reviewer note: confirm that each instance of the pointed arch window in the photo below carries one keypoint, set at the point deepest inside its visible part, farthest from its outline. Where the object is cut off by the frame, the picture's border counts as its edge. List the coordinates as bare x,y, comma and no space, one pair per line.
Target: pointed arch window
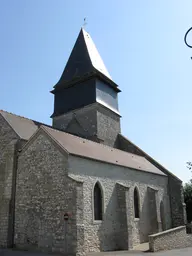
136,203
98,202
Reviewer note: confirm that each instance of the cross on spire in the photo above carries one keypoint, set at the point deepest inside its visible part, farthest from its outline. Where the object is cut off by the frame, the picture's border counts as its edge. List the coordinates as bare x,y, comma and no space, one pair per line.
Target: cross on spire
85,22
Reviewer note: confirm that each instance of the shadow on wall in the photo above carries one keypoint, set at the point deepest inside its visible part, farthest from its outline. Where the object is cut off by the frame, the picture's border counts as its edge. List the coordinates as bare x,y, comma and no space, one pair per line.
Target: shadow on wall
112,231
114,228
162,214
109,229
145,227
189,210
149,223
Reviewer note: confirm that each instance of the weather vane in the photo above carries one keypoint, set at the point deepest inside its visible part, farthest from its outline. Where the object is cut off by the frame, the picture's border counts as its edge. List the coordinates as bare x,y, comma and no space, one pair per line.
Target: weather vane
185,38
85,22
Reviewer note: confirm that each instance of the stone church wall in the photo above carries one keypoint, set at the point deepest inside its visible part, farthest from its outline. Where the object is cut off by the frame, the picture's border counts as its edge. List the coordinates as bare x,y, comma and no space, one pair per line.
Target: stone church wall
86,117
108,126
118,185
95,119
8,140
174,184
44,193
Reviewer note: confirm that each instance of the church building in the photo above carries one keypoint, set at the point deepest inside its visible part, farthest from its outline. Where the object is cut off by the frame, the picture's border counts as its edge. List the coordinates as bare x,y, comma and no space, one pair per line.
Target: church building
80,186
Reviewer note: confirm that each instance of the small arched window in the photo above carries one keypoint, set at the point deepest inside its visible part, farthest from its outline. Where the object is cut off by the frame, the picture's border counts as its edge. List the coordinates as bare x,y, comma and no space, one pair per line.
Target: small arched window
136,203
98,202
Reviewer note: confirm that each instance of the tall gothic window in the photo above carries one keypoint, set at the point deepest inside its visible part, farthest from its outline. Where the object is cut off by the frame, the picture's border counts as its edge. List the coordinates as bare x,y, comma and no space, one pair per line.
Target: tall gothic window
98,202
136,203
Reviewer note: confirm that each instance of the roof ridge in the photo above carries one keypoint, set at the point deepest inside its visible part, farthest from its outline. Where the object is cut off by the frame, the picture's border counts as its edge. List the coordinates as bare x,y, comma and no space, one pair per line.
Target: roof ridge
90,141
56,141
85,148
1,110
150,157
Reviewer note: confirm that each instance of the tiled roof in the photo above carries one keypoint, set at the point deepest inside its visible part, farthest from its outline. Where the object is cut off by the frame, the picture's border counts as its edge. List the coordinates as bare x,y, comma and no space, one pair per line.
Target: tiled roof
148,157
74,145
85,148
24,127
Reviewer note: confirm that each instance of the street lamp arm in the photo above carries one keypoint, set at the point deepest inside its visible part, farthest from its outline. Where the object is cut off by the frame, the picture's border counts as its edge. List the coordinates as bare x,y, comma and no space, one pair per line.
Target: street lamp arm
185,38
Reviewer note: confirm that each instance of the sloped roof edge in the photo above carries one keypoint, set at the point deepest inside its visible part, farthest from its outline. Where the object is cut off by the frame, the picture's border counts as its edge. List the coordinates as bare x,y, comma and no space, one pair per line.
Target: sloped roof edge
22,126
94,55
45,131
8,123
152,160
50,135
98,152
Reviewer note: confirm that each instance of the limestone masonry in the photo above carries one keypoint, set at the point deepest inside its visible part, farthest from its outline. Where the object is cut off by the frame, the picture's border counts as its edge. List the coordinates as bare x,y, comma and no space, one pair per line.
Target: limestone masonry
80,186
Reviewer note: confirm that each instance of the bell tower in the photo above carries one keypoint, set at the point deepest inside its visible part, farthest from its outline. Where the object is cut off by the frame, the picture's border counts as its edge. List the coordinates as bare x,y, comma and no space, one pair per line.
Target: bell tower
86,97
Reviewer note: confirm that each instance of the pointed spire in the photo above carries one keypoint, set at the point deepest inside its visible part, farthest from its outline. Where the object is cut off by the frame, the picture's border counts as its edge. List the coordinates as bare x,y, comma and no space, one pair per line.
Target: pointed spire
94,55
84,59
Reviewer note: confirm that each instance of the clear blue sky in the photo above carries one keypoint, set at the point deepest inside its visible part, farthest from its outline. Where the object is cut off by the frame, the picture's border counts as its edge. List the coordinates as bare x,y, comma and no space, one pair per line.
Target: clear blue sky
141,43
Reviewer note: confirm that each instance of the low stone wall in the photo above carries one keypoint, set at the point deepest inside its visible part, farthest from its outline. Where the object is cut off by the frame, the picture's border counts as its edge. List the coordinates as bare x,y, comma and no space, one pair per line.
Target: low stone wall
170,239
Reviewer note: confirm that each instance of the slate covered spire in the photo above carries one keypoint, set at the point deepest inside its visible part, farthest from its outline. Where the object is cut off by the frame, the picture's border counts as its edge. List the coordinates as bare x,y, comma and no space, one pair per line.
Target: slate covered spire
84,60
86,97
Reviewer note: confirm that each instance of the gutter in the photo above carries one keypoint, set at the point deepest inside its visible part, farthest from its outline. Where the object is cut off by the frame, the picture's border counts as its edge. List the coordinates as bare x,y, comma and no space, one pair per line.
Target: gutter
11,222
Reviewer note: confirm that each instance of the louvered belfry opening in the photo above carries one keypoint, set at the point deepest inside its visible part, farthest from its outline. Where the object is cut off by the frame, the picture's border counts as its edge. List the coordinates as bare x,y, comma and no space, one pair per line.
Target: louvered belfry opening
136,203
98,202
